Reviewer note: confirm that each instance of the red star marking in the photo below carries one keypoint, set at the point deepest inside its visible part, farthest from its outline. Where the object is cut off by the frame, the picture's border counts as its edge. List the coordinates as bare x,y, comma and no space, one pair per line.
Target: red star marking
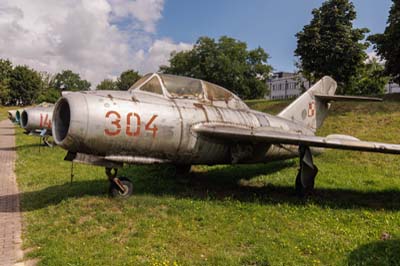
311,109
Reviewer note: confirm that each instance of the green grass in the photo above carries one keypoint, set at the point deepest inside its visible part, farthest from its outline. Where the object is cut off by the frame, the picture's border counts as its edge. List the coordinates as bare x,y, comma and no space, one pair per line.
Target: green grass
3,111
272,107
221,215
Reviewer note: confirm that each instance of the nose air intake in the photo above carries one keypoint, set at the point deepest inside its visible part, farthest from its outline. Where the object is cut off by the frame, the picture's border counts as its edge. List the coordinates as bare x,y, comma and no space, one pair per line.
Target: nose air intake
61,120
24,119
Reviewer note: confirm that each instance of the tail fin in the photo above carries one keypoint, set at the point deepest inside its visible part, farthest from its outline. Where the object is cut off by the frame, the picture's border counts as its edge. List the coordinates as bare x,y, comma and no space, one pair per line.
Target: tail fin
309,109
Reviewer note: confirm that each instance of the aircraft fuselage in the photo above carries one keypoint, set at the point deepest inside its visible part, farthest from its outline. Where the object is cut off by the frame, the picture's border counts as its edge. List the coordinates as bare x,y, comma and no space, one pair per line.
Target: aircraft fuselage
139,127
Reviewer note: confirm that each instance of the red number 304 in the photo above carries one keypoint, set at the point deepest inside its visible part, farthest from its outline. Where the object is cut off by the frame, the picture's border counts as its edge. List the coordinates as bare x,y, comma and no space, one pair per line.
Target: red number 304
116,122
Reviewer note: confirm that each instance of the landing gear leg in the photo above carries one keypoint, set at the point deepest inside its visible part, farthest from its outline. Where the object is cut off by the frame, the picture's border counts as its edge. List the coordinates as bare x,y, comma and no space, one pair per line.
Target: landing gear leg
47,141
307,172
119,187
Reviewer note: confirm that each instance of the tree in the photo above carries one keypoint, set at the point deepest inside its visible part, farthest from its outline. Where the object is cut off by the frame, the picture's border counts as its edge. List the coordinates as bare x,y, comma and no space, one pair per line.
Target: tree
330,45
107,84
47,92
5,93
227,63
127,79
387,44
69,81
5,73
370,80
25,84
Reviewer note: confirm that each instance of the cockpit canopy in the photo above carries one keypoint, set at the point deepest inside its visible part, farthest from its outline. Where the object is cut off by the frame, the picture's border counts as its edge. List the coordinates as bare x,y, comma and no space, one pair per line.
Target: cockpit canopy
178,87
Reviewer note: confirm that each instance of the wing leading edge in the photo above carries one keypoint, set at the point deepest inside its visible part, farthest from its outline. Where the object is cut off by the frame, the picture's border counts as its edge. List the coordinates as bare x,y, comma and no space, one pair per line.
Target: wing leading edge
267,135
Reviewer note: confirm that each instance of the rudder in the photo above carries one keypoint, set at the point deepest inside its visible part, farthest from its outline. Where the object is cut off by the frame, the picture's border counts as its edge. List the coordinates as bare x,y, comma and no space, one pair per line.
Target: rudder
308,109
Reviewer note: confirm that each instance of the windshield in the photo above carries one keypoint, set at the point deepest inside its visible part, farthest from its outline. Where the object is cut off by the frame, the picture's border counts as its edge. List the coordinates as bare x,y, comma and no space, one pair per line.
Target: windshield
182,87
217,93
152,86
140,81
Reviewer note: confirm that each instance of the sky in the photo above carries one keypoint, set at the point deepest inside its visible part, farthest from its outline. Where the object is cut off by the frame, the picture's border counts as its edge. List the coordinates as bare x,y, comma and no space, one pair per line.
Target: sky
101,38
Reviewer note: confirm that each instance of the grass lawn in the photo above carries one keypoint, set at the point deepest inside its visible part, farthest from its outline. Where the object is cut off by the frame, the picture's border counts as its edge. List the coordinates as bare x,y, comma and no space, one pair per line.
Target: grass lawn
221,215
3,111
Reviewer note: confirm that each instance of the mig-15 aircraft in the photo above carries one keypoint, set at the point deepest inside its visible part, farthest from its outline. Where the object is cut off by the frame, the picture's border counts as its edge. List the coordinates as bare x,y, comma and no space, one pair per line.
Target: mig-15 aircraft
37,121
166,119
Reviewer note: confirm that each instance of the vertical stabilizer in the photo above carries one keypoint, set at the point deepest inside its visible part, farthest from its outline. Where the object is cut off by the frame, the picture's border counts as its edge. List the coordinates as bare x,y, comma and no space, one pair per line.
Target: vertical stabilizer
308,109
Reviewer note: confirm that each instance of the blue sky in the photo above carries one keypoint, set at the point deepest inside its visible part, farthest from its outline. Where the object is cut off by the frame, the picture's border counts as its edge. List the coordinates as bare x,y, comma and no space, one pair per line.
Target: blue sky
270,24
111,36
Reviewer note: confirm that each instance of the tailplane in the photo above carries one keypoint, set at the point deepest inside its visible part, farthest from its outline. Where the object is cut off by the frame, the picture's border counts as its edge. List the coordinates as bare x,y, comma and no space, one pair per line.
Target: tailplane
310,109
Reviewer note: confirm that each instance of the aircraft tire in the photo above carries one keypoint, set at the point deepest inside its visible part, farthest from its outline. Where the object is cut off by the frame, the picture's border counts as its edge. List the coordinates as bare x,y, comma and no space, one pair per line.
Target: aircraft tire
183,170
115,192
301,191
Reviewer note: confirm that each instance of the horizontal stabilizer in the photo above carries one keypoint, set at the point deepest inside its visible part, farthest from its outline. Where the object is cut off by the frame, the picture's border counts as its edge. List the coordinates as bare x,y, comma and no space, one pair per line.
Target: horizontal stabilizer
346,98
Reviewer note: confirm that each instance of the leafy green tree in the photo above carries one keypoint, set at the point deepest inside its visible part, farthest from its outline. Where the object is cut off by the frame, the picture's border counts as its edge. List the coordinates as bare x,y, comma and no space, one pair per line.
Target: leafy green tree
329,45
25,84
5,69
371,79
387,44
69,81
227,63
5,73
5,93
127,79
47,92
107,84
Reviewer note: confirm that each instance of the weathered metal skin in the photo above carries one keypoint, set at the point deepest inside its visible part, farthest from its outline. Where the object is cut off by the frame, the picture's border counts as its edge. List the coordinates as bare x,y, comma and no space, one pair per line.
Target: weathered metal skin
11,115
37,118
185,121
133,125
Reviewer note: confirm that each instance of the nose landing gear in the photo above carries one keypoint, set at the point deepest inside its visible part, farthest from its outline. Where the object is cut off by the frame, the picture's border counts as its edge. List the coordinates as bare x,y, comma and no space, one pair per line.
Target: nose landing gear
119,187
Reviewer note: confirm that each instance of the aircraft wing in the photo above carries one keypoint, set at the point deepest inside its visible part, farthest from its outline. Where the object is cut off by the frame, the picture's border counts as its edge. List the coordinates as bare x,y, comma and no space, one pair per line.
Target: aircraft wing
267,135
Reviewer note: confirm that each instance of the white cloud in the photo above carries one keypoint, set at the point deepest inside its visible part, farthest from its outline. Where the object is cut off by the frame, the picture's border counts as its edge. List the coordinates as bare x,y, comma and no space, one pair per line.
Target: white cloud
159,53
372,55
96,38
146,12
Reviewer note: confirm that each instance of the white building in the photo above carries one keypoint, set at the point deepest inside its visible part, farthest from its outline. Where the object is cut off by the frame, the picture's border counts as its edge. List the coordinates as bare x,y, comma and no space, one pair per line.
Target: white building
284,85
392,88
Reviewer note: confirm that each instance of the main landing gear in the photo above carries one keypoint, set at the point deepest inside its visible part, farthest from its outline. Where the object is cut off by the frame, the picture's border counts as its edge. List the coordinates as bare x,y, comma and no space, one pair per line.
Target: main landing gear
307,172
119,187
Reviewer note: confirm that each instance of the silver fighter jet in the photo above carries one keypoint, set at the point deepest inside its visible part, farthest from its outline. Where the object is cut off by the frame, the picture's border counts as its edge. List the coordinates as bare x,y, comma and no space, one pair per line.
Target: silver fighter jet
166,119
11,115
37,121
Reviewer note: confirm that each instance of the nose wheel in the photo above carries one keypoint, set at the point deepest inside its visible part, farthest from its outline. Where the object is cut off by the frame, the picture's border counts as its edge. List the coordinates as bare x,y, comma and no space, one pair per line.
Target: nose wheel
119,187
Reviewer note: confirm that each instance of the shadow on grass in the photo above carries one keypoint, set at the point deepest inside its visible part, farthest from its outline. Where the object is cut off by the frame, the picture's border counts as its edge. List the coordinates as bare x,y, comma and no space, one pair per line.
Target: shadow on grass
24,147
219,184
376,253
